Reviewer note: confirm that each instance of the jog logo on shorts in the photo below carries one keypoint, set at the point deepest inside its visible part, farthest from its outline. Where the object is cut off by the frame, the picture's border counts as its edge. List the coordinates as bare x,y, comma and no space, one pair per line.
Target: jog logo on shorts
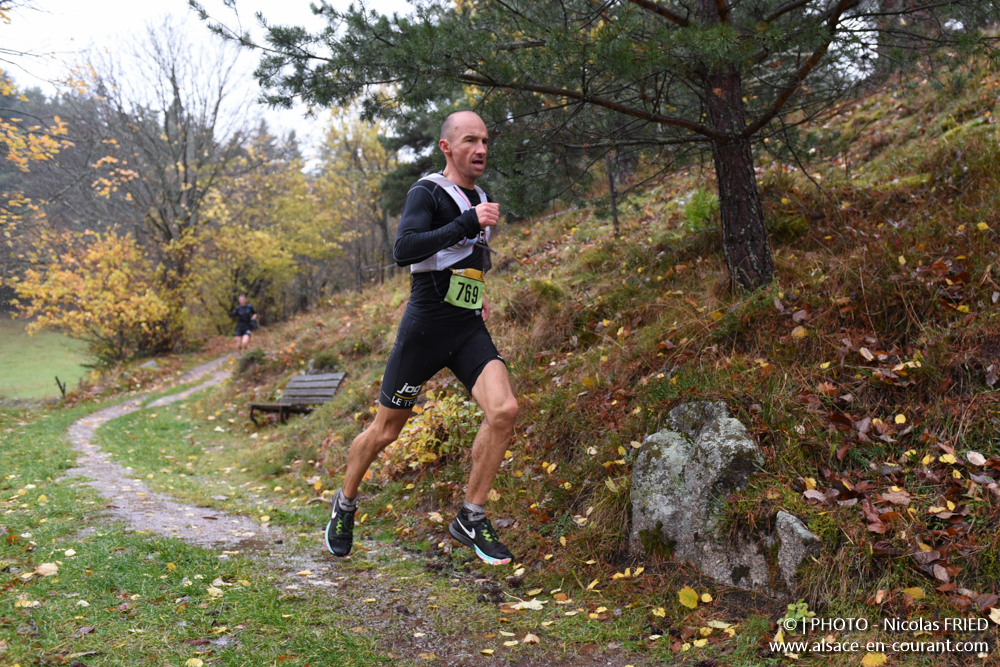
406,396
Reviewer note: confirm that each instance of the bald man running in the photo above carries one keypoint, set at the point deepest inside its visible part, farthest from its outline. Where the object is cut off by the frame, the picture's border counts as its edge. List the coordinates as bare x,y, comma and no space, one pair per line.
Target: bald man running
443,237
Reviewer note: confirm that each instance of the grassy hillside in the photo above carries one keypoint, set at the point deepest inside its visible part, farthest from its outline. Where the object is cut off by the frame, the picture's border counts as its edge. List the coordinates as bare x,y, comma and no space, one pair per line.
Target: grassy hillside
869,367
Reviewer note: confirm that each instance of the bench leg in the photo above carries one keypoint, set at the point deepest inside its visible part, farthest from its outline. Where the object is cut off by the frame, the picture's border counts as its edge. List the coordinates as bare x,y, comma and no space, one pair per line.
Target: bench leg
253,418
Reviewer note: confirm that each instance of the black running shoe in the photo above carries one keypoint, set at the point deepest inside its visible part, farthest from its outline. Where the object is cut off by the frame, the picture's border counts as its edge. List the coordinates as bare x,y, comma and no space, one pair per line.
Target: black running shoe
480,536
340,530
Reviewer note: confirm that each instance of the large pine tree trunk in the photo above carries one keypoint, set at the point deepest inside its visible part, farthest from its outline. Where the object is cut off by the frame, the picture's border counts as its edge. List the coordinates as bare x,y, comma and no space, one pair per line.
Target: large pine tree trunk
744,237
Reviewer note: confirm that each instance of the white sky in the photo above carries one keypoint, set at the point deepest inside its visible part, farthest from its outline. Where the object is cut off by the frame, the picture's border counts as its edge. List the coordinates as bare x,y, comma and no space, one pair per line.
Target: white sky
55,32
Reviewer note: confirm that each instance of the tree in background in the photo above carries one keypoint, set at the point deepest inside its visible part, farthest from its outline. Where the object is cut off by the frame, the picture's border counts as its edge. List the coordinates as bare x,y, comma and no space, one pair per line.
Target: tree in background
667,78
98,288
354,163
175,126
266,237
28,140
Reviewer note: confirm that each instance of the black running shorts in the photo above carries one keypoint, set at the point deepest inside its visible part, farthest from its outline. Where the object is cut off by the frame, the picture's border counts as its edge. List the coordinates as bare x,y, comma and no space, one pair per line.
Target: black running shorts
423,348
242,330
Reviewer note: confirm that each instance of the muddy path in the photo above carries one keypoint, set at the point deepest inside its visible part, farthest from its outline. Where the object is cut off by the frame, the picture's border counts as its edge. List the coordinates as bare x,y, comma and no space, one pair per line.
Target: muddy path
403,613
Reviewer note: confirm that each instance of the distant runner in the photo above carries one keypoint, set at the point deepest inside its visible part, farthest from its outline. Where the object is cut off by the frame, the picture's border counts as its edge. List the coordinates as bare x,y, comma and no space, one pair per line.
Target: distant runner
245,316
443,237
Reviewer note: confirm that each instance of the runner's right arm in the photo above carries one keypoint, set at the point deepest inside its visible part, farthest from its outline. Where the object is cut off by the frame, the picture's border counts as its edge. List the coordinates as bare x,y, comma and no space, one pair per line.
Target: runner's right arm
416,241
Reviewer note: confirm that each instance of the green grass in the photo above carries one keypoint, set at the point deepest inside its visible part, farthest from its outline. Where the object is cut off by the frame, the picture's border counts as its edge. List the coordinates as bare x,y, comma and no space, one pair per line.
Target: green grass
31,363
147,599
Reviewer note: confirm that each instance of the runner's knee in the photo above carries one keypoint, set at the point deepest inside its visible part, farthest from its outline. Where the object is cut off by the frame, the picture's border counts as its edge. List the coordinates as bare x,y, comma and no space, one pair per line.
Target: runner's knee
505,414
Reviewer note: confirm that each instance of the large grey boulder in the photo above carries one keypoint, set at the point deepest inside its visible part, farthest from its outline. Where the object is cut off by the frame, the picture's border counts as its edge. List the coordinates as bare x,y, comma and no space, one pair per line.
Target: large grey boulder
680,481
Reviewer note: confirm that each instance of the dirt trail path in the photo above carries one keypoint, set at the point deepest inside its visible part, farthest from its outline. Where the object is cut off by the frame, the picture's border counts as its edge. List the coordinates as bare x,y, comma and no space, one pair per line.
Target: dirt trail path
133,502
386,606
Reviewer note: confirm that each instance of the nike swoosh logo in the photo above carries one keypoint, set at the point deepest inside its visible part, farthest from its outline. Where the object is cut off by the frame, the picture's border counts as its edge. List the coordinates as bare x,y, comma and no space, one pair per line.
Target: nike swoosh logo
470,533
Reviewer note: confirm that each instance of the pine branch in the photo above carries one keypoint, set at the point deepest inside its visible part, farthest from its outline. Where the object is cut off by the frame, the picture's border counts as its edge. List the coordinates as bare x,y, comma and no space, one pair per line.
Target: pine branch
671,121
657,8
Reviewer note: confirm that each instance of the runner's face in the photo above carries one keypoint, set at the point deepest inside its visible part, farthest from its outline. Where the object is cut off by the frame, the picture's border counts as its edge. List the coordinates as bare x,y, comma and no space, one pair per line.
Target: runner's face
466,146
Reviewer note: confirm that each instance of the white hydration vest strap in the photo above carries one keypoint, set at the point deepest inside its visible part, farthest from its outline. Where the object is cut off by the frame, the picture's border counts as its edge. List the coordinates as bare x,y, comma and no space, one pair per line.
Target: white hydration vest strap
442,259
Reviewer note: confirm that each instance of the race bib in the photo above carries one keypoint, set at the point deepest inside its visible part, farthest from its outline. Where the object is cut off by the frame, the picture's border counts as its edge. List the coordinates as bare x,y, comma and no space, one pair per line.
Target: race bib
466,289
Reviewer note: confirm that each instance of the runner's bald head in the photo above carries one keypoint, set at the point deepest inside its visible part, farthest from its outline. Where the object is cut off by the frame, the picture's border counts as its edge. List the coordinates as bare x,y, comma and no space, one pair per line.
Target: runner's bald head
454,122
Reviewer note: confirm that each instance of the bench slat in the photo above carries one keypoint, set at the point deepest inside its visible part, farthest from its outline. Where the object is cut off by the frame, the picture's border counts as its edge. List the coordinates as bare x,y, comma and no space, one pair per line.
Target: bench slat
307,392
332,386
304,400
323,377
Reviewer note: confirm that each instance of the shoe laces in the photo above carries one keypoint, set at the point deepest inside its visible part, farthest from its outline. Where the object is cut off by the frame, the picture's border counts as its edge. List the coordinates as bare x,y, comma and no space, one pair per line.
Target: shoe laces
344,521
486,528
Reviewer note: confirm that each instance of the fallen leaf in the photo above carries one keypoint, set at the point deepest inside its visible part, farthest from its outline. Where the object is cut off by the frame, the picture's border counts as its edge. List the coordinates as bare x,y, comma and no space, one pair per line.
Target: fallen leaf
799,332
719,625
512,642
660,612
995,615
591,585
194,662
487,651
916,593
530,639
706,598
69,553
975,458
534,591
864,352
897,497
688,597
47,569
873,660
85,630
533,604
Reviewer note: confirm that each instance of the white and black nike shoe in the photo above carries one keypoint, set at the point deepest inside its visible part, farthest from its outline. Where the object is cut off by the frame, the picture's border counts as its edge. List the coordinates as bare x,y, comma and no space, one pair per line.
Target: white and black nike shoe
340,529
480,536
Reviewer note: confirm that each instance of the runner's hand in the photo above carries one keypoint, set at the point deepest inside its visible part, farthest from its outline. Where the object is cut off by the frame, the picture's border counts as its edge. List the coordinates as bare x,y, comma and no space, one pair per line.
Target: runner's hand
488,214
486,309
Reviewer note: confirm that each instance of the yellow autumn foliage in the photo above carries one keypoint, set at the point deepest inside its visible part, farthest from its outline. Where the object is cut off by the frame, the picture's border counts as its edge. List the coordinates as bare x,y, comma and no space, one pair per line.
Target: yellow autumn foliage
100,288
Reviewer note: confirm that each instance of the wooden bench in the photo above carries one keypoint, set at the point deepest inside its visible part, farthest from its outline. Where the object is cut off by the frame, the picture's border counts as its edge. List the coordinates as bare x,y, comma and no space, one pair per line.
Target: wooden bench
301,395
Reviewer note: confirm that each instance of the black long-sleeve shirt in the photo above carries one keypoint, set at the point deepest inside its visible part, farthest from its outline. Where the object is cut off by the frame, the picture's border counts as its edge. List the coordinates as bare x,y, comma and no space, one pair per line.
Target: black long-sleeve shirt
243,314
431,221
